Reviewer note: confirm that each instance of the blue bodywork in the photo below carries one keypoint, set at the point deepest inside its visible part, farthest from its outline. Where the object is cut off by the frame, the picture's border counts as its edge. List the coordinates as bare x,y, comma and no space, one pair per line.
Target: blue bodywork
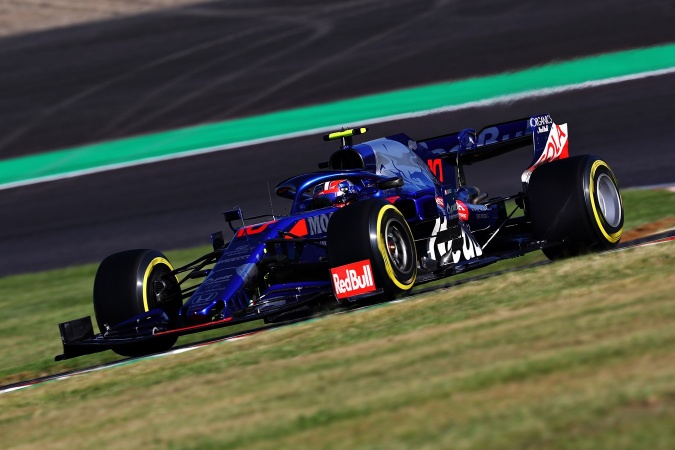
429,195
277,266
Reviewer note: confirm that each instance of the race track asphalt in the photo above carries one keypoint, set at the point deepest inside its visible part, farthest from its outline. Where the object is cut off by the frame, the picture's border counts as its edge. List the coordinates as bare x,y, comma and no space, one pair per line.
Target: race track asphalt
229,59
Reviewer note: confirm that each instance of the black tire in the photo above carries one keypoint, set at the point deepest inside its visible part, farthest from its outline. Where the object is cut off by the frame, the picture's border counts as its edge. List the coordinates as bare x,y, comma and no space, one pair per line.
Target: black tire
123,288
375,230
576,202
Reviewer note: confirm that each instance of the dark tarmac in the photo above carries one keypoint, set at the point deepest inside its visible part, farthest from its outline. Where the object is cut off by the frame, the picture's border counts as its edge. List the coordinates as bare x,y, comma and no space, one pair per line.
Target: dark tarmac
222,60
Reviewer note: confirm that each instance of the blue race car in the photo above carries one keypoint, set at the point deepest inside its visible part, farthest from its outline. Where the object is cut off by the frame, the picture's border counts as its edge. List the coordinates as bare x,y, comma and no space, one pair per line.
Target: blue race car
380,217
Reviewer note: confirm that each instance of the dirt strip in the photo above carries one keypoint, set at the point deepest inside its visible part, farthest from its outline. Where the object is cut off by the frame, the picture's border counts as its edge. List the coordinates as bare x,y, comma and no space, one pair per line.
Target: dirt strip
23,16
649,229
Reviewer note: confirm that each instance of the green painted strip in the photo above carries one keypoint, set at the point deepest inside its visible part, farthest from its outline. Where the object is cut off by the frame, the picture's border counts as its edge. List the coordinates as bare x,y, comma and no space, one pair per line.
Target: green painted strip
352,112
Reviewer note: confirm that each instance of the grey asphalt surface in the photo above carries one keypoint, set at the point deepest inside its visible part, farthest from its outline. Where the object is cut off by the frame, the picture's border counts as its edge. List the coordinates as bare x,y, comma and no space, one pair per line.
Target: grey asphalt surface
229,59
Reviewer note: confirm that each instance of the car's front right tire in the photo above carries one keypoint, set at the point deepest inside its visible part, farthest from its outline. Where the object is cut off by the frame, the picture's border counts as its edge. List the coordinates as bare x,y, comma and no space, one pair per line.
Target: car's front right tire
375,230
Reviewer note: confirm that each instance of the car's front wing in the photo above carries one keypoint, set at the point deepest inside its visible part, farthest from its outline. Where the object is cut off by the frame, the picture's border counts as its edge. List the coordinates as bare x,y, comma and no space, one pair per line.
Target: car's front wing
79,339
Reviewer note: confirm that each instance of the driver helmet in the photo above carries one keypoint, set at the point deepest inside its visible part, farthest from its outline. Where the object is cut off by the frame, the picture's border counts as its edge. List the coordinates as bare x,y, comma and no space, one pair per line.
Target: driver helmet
335,192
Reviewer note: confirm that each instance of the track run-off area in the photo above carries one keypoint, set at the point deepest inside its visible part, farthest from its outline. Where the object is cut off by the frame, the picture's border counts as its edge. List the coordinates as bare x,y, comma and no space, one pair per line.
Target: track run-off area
485,91
667,237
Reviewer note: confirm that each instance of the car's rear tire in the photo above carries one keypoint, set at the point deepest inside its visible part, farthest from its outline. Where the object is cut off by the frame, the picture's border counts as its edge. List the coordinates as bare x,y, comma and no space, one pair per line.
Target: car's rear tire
575,202
124,287
375,230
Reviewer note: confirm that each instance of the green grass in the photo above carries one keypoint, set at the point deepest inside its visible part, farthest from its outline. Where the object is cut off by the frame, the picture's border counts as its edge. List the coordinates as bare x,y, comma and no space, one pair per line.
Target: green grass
577,354
32,305
645,206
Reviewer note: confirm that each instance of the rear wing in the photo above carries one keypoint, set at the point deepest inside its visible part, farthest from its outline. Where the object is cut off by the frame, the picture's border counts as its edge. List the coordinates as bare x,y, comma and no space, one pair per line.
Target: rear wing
465,147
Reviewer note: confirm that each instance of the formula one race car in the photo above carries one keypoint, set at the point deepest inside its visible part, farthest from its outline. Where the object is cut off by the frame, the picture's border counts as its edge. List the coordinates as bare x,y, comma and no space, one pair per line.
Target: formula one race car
381,217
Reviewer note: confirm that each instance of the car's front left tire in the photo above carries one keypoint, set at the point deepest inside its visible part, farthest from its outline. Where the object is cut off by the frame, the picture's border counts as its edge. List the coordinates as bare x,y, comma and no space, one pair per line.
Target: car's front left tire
125,286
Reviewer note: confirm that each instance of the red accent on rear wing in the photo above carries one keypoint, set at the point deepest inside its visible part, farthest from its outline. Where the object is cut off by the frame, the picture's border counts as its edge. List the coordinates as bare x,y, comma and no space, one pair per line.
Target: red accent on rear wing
551,143
495,140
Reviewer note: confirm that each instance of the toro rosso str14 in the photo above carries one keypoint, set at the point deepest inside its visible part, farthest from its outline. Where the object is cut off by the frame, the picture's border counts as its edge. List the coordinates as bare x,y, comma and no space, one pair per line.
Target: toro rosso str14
381,217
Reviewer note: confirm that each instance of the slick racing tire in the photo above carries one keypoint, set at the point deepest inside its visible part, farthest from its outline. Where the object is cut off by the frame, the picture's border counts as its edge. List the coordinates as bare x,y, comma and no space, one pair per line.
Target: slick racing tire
375,230
124,287
575,202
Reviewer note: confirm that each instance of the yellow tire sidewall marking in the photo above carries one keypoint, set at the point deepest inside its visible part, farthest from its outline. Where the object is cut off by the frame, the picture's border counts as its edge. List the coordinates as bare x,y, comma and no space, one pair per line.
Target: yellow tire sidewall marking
382,247
614,237
148,270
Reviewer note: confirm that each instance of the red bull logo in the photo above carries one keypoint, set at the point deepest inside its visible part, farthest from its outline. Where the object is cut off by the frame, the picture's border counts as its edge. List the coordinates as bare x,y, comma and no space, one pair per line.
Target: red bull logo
352,279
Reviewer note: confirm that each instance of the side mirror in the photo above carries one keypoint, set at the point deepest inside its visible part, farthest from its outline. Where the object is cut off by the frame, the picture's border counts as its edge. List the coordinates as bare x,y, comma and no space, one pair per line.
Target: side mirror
232,215
217,240
390,183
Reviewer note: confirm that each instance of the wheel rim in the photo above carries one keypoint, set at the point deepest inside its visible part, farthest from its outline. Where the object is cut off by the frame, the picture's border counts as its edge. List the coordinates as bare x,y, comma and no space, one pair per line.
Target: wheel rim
609,200
397,249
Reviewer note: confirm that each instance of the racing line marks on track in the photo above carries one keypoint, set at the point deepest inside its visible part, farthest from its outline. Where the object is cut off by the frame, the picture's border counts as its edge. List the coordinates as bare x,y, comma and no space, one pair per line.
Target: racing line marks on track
343,55
465,94
660,238
376,120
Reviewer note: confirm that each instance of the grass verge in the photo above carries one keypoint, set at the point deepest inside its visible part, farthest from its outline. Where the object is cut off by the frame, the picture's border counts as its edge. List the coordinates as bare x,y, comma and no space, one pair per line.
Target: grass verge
32,305
576,354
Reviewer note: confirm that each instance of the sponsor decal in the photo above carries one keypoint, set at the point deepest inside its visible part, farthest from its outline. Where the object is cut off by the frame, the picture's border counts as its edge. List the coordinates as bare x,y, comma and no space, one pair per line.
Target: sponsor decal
462,210
234,258
470,248
440,202
318,224
311,225
203,298
352,279
462,247
245,248
492,135
217,280
556,145
488,136
541,121
441,234
556,148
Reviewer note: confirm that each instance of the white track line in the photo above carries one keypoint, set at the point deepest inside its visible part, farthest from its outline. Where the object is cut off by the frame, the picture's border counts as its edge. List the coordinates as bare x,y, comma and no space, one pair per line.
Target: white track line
470,105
